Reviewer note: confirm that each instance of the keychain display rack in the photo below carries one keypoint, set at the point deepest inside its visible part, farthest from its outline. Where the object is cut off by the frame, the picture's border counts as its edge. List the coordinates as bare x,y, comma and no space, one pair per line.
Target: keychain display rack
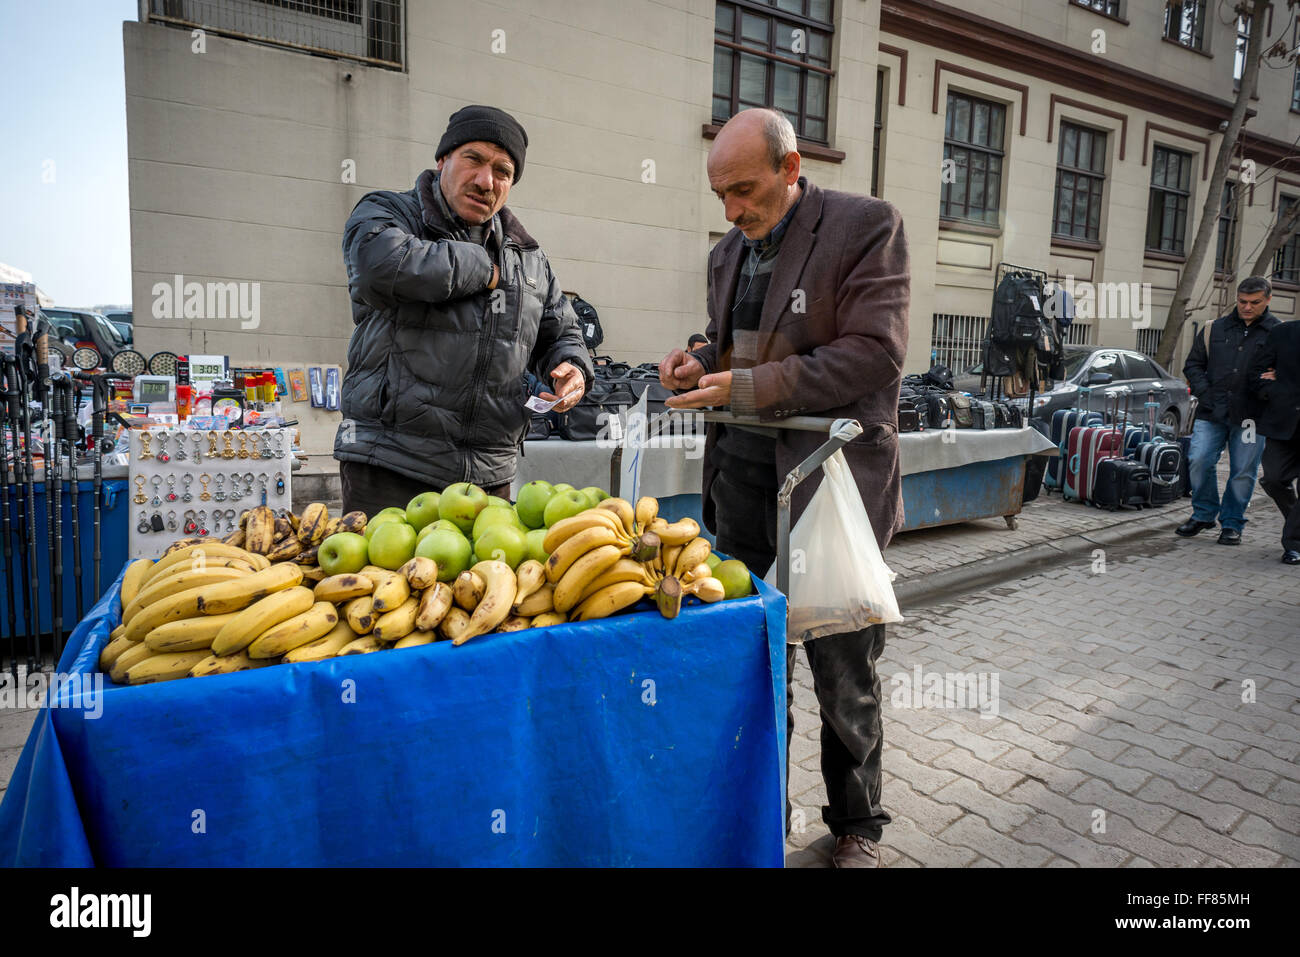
197,482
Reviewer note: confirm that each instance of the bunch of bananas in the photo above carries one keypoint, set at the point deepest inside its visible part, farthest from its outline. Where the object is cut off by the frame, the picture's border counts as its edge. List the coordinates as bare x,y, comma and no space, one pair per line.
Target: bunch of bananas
611,556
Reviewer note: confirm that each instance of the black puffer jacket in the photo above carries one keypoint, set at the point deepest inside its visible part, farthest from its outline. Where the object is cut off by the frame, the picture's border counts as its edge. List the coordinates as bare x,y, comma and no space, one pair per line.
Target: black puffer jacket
1220,376
435,382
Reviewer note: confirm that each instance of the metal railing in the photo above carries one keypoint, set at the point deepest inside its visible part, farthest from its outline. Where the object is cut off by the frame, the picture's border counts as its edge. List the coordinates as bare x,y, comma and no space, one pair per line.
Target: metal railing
958,341
367,30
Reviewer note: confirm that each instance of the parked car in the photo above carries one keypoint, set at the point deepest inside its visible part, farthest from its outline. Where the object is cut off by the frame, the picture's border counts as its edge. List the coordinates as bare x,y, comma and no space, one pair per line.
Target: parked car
123,321
1107,373
84,327
64,350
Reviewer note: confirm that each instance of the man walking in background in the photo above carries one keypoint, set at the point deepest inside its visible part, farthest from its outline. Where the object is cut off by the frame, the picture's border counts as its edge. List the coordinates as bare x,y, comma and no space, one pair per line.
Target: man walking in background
835,351
1276,379
1218,371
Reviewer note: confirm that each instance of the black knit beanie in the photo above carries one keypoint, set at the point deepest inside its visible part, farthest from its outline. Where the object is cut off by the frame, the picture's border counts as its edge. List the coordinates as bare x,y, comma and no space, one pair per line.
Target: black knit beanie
489,124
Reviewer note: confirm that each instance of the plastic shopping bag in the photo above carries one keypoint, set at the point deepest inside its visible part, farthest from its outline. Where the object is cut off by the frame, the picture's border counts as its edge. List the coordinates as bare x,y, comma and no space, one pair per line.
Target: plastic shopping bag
839,581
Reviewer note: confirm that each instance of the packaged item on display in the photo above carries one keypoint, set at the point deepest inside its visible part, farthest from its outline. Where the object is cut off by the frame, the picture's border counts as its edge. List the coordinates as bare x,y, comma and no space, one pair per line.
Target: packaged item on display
298,385
317,379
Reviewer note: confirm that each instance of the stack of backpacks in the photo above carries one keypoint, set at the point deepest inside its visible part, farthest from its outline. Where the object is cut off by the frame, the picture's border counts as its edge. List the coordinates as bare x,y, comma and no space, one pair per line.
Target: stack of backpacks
929,402
1113,464
1024,346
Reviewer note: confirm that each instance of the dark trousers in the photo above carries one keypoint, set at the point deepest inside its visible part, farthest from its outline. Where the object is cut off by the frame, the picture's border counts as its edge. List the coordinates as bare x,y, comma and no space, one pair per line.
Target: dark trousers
371,489
1281,463
843,667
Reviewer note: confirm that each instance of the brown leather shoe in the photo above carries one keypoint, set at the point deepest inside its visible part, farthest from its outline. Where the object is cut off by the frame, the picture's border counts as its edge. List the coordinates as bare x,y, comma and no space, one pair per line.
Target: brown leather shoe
851,850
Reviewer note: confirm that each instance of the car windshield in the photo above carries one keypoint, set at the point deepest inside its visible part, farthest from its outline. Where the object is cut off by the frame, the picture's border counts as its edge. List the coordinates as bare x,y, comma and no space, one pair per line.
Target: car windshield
1074,362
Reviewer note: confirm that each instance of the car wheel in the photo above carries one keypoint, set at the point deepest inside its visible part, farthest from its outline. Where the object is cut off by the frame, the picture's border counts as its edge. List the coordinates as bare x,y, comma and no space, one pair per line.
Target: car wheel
1170,418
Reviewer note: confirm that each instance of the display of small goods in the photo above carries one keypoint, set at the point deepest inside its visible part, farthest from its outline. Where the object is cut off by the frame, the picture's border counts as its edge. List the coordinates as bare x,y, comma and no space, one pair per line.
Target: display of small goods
298,385
198,481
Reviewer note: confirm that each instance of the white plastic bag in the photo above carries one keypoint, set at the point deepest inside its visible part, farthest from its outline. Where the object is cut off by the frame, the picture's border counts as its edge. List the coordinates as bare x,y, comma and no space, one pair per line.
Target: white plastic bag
839,581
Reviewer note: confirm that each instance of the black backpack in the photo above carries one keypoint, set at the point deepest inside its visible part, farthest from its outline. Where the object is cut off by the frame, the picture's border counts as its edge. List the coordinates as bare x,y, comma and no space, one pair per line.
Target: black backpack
1017,309
588,322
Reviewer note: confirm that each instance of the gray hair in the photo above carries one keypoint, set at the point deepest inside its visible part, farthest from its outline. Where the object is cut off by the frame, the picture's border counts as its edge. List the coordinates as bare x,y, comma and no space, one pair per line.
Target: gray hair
1255,284
780,137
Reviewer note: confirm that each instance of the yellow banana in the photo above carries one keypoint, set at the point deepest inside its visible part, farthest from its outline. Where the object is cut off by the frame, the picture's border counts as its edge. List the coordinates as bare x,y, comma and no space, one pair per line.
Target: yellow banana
361,646
433,606
455,623
530,575
420,573
331,527
623,570
311,527
669,555
647,510
566,528
623,509
234,595
188,634
391,592
116,632
539,601
112,650
308,556
228,664
397,623
680,532
171,584
549,618
608,600
182,543
285,550
581,573
415,639
184,604
515,623
360,614
324,647
131,656
353,522
573,548
706,589
260,562
195,555
313,573
235,538
467,590
165,666
498,596
259,530
242,627
693,553
341,588
313,623
135,575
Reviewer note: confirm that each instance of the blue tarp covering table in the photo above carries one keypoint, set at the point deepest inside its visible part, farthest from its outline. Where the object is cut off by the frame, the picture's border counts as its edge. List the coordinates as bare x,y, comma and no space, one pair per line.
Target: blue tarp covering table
629,741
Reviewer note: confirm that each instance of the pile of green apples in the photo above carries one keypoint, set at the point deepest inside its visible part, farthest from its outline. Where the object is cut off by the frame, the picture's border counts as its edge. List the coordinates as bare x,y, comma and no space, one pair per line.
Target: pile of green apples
457,527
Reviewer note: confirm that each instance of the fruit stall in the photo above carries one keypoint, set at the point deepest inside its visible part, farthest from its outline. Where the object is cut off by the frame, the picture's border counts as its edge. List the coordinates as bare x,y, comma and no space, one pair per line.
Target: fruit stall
571,679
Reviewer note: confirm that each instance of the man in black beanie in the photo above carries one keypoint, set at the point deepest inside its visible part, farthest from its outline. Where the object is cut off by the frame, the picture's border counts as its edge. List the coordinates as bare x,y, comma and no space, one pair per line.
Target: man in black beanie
452,303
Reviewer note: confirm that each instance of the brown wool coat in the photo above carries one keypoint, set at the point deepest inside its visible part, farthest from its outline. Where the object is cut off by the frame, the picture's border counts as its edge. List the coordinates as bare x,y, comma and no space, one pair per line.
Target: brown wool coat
842,356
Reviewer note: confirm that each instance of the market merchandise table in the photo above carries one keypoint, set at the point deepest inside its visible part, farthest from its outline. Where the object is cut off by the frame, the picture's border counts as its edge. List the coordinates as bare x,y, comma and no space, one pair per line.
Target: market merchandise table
974,474
629,741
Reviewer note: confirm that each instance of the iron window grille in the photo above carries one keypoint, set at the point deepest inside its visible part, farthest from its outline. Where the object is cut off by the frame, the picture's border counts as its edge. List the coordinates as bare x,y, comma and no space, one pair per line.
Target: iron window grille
973,131
1286,261
1185,23
1108,7
1080,179
775,54
1171,181
1225,253
957,341
1148,341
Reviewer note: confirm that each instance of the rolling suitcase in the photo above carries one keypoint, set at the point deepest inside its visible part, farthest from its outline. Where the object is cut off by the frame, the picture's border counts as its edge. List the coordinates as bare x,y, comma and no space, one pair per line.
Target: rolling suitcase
1164,460
1088,446
1063,420
1121,483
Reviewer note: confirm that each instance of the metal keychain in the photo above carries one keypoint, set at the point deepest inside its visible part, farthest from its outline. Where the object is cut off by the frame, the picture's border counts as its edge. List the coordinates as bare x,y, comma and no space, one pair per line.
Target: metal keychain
205,495
145,451
171,521
162,455
266,446
143,525
171,488
139,497
180,447
243,445
212,445
220,494
279,445
156,482
228,452
187,480
198,447
203,522
156,522
191,522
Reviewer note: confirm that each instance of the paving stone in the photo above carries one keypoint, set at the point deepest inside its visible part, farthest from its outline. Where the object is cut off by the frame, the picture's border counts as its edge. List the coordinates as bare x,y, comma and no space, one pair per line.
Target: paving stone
993,779
976,834
930,815
1284,792
918,747
982,747
1125,779
922,777
1141,759
904,835
1185,829
1002,814
1036,745
1145,815
1079,848
1059,779
1227,792
1217,816
1253,829
1257,758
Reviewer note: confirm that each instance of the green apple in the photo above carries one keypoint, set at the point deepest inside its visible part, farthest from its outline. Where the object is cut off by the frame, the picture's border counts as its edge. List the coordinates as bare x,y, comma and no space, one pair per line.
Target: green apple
461,503
449,549
392,545
734,577
564,504
714,561
495,516
434,526
391,514
343,553
422,510
501,542
533,540
531,503
496,501
594,494
563,487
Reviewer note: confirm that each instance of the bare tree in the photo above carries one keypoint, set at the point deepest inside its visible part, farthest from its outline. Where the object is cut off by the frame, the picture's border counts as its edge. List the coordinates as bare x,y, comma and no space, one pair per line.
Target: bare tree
1208,226
1282,230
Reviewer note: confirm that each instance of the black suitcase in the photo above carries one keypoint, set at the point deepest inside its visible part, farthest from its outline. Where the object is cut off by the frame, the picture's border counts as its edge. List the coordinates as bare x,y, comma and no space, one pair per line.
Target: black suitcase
937,410
587,419
908,419
983,414
1121,483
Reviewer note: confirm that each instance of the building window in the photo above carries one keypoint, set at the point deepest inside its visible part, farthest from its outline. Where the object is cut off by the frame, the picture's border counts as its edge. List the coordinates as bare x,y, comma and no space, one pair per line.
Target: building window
1225,254
875,142
1148,341
777,54
1108,7
972,181
1185,23
1286,261
1239,56
1295,89
1080,176
1171,181
957,341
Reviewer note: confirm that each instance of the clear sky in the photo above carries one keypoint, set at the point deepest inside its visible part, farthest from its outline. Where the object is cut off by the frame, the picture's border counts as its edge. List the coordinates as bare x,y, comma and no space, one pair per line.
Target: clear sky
64,105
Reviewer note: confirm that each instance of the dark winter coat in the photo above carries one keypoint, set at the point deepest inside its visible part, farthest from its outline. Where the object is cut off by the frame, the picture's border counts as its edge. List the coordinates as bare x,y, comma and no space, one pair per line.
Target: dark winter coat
1280,352
1220,377
435,385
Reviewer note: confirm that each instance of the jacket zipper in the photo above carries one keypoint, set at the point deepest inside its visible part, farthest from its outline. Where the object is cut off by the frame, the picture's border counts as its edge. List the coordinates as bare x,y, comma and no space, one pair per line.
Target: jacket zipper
485,354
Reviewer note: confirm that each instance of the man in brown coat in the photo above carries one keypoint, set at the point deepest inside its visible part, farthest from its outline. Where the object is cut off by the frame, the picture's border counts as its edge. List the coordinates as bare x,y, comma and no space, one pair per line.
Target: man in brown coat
808,299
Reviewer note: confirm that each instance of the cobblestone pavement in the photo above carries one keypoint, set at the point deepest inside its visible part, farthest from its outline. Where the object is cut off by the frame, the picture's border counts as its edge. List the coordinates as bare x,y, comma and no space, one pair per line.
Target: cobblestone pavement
1121,736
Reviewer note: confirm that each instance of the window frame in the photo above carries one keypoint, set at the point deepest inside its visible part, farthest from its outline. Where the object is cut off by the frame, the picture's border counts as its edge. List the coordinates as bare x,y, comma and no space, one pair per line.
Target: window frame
877,131
969,147
1182,206
1289,250
1225,247
1116,14
738,47
1196,41
1096,182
